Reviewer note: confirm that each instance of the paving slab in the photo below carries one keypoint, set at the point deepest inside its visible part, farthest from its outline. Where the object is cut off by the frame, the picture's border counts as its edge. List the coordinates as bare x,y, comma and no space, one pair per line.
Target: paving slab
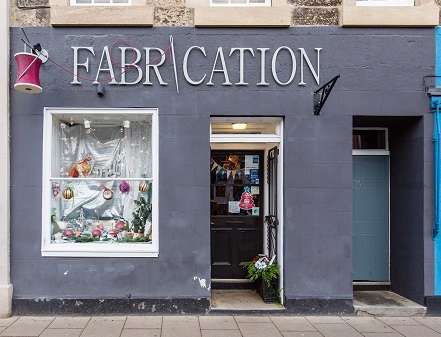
337,330
28,326
61,333
396,321
252,319
221,333
69,323
367,324
217,323
380,334
141,333
432,322
325,319
8,321
259,330
416,331
180,326
143,322
301,334
292,324
104,327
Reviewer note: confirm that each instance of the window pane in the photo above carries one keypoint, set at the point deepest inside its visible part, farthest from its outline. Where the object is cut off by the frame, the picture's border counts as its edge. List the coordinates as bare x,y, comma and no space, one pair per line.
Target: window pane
220,2
369,140
97,211
101,151
91,157
120,1
84,1
233,184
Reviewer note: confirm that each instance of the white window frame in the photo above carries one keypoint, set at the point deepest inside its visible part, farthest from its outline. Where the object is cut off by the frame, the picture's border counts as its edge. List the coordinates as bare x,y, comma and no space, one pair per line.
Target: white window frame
385,3
266,4
74,3
96,249
373,152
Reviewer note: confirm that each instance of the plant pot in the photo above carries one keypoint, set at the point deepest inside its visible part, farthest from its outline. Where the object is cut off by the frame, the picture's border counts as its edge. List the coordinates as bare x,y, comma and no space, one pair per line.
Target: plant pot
269,293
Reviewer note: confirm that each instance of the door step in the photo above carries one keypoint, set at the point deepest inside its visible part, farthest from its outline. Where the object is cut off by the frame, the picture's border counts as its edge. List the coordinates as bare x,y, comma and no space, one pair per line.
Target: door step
385,303
240,301
232,284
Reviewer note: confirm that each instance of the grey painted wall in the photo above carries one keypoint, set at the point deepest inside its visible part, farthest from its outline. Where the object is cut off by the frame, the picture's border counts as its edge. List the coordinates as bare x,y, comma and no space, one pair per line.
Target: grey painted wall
381,75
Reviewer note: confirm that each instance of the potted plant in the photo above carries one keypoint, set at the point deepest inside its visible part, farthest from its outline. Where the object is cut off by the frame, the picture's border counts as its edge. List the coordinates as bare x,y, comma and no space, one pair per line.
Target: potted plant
265,271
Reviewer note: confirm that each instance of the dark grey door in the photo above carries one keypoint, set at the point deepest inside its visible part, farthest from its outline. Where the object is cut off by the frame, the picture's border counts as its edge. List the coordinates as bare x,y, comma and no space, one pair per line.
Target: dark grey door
370,249
236,211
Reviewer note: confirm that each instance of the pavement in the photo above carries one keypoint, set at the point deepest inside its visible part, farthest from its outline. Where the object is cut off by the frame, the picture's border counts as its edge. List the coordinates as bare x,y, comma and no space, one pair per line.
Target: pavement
220,326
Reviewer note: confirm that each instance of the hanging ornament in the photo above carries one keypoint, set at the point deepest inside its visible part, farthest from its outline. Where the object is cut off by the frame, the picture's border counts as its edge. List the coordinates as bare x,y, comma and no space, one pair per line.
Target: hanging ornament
55,189
107,193
124,187
246,200
68,193
69,232
144,186
81,168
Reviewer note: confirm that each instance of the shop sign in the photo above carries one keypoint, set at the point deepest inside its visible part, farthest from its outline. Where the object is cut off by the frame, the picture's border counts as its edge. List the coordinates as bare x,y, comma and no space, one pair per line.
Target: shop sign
150,68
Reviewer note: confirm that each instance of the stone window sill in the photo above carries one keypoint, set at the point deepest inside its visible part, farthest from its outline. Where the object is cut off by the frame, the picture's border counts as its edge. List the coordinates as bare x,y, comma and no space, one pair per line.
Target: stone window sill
102,16
426,15
242,16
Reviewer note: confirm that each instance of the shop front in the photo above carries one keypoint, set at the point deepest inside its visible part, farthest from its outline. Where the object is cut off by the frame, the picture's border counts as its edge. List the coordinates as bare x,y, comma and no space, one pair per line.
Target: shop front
156,163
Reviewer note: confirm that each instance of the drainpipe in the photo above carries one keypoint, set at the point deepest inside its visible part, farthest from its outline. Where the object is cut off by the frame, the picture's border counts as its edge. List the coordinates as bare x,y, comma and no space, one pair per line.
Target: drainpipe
437,165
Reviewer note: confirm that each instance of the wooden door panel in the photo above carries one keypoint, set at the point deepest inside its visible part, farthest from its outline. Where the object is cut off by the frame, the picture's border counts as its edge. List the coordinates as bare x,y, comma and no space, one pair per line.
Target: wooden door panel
221,244
248,239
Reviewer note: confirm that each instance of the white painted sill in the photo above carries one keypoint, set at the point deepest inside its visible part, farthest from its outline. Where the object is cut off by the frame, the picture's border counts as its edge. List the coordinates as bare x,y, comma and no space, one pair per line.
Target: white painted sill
227,16
423,14
103,250
102,16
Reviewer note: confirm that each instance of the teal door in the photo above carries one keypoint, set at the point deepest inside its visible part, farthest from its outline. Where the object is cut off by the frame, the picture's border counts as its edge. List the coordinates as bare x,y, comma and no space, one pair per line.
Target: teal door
370,234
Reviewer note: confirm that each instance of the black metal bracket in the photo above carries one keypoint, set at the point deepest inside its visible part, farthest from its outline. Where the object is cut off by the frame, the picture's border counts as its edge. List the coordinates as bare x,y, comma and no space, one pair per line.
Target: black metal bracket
321,95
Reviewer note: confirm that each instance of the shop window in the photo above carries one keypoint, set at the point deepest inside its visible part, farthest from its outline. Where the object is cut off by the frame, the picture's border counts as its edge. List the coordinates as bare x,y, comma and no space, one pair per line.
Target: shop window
99,2
100,183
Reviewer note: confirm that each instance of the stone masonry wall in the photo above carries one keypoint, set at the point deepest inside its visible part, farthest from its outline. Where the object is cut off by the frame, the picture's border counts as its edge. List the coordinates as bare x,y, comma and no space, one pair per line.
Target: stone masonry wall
176,13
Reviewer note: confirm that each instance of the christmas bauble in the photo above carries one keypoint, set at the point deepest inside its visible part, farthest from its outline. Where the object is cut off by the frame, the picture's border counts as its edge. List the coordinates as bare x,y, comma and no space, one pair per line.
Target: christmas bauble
68,232
143,186
120,225
96,232
68,193
124,187
107,194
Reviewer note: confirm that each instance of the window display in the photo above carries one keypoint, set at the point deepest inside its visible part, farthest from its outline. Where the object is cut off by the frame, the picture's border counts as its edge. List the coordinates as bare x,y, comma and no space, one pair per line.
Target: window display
101,180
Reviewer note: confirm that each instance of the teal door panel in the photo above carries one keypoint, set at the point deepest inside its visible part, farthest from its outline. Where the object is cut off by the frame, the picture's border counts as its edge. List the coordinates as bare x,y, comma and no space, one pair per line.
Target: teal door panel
370,233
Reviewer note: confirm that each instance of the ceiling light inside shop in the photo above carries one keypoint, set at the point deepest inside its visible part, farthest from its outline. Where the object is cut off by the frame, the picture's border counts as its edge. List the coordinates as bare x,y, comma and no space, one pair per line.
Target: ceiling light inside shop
239,126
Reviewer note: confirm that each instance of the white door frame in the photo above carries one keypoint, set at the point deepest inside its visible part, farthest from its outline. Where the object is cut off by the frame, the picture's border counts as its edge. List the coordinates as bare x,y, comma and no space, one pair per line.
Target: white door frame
260,142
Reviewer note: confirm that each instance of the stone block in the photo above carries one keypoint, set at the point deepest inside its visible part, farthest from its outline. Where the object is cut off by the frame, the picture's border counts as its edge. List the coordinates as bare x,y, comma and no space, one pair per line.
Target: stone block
315,16
174,16
29,17
23,4
315,2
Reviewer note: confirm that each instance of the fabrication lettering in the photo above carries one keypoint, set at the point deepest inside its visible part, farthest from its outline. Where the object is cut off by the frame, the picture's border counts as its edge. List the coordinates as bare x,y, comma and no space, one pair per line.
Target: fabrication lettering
148,65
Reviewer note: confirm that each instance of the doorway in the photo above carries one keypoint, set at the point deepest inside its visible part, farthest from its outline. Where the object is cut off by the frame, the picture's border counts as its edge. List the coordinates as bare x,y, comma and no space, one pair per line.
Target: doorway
240,194
370,225
236,217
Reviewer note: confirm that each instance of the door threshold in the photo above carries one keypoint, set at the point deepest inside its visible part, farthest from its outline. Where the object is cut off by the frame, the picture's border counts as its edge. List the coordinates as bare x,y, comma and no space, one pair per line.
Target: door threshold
230,280
241,301
370,286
